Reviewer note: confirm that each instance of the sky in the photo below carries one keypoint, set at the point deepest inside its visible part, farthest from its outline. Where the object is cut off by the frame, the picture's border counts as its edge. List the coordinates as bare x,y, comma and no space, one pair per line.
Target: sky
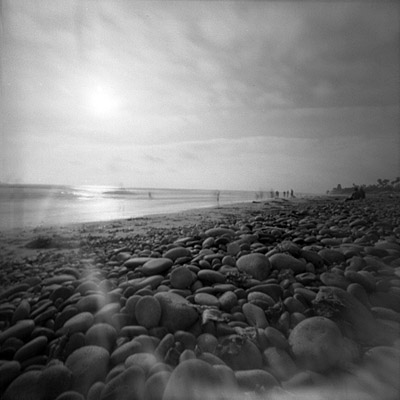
247,95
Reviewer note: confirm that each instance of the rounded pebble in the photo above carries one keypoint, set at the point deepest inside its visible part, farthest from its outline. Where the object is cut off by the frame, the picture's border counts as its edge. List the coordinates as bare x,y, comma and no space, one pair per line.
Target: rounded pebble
316,343
256,265
103,335
176,312
79,323
282,261
181,277
81,363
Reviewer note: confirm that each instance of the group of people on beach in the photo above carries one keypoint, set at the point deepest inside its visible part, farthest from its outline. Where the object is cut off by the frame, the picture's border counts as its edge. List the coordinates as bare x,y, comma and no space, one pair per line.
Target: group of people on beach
286,194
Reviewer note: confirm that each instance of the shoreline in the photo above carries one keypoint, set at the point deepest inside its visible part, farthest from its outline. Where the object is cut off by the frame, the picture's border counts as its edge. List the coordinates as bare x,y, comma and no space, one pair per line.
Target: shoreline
16,237
67,238
227,286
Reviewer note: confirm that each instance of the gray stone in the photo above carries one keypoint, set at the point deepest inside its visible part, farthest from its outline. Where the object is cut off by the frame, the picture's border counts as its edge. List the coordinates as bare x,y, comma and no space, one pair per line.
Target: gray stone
257,265
281,261
176,312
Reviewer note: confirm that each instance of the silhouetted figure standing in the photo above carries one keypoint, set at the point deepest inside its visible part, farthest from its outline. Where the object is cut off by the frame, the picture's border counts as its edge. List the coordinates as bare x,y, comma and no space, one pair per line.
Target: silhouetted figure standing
217,194
277,193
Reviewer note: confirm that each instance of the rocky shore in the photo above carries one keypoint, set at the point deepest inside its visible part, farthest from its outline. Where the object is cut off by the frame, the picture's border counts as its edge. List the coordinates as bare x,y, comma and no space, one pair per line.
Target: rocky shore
271,300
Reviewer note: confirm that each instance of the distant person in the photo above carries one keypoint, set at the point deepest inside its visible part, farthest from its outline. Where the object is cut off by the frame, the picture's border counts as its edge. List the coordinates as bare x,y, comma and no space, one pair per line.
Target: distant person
272,194
277,193
217,194
291,193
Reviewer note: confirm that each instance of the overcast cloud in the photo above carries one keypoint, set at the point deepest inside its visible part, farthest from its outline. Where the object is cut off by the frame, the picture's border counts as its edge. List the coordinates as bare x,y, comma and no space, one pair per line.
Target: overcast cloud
185,94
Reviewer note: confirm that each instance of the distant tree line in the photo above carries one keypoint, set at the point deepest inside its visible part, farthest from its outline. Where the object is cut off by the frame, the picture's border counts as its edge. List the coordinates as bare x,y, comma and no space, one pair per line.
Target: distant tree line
382,185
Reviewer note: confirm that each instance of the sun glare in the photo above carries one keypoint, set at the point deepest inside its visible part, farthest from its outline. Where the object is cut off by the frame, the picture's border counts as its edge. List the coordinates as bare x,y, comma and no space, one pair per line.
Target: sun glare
101,101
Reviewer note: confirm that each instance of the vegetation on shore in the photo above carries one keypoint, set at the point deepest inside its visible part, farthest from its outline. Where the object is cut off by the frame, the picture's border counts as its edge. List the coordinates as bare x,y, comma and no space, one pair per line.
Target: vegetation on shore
382,185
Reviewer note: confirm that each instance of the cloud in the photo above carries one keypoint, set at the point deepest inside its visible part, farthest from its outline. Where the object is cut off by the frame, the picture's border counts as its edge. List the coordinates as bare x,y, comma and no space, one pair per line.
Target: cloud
237,94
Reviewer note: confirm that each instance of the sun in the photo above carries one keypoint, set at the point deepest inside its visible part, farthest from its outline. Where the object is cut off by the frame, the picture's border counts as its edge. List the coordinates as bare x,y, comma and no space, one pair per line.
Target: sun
101,101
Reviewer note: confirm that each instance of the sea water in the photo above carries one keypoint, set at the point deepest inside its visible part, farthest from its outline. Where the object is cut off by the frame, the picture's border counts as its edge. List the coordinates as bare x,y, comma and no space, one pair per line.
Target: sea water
27,206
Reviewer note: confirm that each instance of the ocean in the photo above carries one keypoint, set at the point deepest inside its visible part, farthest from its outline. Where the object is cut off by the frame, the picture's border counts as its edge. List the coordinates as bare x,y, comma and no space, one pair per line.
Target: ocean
29,206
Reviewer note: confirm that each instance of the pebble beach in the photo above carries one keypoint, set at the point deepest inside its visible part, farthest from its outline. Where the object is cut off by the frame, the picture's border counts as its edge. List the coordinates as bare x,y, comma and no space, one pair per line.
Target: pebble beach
285,299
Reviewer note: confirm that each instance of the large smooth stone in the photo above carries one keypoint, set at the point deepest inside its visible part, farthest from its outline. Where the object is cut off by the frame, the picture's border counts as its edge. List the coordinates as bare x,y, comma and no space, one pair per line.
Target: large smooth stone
34,347
55,379
133,263
207,343
24,387
257,265
156,266
177,252
282,261
206,299
78,323
276,338
195,380
148,311
181,277
228,300
88,365
316,343
241,355
177,313
255,315
209,276
103,335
